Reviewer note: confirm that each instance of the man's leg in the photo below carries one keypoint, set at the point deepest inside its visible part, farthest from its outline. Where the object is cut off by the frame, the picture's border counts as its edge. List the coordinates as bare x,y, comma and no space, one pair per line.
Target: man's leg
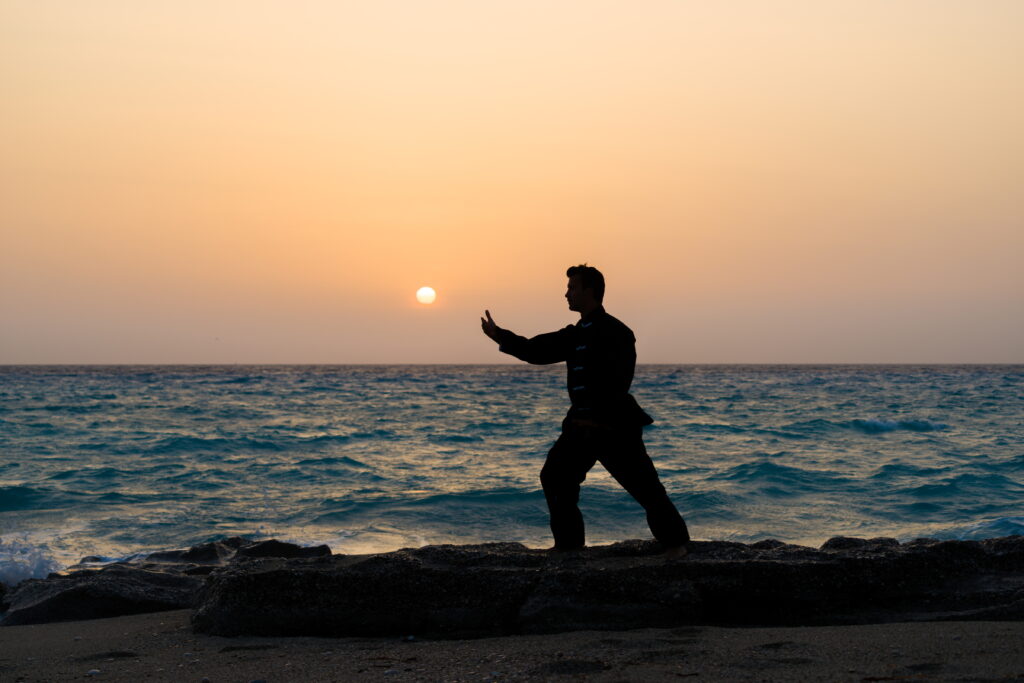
566,467
625,457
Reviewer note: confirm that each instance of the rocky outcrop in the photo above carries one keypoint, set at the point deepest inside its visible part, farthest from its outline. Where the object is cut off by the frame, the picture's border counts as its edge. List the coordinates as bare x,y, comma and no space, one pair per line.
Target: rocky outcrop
110,592
271,588
160,581
492,589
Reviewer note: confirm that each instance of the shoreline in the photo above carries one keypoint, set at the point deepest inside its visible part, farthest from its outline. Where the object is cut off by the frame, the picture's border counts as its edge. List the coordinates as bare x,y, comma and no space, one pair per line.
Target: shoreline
162,647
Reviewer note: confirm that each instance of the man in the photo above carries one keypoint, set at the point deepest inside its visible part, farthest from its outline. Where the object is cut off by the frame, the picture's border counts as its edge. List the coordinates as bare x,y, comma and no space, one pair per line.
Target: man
604,424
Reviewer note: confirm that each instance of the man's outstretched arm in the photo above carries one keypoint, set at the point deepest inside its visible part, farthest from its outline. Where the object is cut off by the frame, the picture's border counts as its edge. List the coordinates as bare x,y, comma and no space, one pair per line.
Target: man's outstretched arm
543,349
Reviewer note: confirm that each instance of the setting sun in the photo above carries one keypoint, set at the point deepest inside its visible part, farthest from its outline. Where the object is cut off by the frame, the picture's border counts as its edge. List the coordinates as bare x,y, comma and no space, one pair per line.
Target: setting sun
426,295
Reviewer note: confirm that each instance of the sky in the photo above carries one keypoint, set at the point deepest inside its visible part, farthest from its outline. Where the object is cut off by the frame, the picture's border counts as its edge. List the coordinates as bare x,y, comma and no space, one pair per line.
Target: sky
270,182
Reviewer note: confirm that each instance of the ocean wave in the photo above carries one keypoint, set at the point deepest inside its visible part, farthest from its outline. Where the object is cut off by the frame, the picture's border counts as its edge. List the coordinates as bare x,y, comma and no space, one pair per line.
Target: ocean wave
343,460
713,428
812,426
20,560
989,528
1014,464
374,434
122,498
454,438
894,470
882,426
189,410
795,479
78,409
101,473
39,428
485,497
21,497
492,501
710,503
244,379
866,426
486,426
993,486
192,444
220,444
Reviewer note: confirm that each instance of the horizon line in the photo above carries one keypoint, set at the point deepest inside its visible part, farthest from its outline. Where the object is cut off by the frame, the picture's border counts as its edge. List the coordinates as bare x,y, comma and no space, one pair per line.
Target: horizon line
449,364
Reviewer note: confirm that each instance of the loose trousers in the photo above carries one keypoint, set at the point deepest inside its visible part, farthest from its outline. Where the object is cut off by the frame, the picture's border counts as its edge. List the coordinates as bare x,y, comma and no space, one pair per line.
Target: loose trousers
621,451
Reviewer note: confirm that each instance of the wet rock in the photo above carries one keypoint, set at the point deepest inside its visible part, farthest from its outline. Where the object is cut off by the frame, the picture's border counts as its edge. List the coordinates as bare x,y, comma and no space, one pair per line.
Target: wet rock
492,589
275,548
159,581
843,543
214,553
109,592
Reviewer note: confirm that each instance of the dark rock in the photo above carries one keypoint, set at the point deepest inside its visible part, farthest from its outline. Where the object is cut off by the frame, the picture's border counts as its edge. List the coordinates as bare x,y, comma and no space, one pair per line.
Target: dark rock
847,543
883,541
923,541
213,553
619,595
275,548
160,581
109,592
408,591
492,589
843,543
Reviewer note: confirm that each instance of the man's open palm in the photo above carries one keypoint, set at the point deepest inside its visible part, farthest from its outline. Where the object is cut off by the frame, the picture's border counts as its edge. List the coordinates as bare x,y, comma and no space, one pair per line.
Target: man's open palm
489,327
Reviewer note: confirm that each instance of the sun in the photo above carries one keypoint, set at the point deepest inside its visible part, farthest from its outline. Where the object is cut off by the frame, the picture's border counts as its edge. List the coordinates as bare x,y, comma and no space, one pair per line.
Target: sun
426,295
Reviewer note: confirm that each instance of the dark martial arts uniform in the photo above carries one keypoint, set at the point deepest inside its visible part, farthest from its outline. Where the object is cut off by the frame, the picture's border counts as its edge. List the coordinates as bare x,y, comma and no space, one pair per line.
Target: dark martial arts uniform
604,424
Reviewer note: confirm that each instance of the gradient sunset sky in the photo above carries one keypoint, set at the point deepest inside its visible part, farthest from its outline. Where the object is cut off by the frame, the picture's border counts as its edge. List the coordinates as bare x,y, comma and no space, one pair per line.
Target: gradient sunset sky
270,182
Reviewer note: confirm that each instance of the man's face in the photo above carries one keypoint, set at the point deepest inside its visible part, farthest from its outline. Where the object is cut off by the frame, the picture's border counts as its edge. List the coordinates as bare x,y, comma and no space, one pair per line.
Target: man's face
579,299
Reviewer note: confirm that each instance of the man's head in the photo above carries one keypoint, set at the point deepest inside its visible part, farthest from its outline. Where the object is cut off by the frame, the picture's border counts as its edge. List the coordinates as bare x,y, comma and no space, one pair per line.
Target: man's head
586,288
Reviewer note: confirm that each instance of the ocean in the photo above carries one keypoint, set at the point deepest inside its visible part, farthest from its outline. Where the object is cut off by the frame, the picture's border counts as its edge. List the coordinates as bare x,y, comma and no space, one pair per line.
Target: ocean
113,461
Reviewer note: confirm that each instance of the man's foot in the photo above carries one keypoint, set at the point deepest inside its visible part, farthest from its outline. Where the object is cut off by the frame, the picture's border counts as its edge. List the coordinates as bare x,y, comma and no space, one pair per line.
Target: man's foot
676,552
566,550
561,554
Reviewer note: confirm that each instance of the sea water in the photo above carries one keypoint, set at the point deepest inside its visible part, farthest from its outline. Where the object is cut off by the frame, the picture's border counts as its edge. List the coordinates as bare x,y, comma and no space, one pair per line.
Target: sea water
119,460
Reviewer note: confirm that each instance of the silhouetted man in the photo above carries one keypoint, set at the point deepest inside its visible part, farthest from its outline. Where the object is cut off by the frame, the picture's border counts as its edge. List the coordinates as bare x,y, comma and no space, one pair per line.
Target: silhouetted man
604,424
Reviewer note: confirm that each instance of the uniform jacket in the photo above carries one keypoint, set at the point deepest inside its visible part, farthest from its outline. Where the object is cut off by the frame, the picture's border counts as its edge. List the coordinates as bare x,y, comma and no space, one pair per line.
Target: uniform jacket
600,356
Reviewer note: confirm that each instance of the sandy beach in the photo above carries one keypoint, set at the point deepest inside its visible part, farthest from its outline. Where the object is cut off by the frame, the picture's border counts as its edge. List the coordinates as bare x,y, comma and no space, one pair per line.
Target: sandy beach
162,647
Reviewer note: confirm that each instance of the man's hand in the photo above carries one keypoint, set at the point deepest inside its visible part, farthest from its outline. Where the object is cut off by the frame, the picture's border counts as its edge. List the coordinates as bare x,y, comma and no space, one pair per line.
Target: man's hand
489,327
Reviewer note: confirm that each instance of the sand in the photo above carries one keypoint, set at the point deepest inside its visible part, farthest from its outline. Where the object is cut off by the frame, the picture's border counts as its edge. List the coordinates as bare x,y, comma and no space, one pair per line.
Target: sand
162,647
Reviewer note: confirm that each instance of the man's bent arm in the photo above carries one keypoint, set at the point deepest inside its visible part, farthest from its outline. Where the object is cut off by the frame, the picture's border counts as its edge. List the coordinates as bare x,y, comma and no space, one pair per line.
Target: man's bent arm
544,349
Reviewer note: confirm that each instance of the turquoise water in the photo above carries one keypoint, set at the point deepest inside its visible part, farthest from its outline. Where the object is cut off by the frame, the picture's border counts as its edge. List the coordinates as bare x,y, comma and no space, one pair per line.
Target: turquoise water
116,460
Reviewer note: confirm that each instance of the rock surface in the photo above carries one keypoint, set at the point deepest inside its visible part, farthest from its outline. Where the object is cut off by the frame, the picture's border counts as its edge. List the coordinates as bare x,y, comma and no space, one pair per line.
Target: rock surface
113,591
164,580
504,588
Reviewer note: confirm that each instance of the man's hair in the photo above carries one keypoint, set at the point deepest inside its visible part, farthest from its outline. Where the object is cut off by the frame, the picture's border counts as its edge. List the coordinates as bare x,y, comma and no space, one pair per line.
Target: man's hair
590,278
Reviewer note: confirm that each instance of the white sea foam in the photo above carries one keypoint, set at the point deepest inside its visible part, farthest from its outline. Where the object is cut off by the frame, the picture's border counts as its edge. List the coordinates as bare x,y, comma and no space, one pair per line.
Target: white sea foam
21,559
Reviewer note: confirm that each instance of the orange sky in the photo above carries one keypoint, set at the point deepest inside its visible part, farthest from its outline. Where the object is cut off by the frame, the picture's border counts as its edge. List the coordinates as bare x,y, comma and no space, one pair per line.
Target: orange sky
240,182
